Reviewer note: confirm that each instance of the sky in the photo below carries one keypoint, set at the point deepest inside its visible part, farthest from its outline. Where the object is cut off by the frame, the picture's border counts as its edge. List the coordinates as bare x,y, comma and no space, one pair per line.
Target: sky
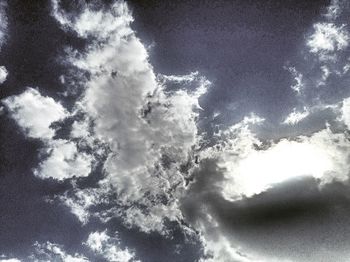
184,131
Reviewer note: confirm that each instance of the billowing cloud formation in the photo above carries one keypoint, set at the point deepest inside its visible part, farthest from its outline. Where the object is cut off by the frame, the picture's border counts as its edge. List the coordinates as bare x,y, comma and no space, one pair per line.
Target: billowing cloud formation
109,248
53,252
258,199
252,170
328,39
141,130
64,161
150,131
35,113
45,252
294,117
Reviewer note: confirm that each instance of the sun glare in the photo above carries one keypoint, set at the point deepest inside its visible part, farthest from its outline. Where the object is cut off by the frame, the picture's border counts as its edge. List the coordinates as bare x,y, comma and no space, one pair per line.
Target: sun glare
284,161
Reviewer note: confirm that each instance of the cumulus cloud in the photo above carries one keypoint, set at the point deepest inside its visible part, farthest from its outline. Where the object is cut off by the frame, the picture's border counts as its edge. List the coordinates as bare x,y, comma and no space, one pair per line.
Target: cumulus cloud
148,126
109,248
328,39
253,199
35,113
63,161
52,252
295,116
3,74
80,129
150,131
253,166
80,202
242,185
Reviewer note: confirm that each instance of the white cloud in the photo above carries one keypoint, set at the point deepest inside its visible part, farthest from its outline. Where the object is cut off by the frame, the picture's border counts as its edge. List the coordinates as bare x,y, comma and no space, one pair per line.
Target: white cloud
81,200
252,166
298,80
97,23
247,166
328,39
46,252
64,161
345,112
139,120
3,74
35,113
326,72
221,249
181,78
109,247
80,129
295,117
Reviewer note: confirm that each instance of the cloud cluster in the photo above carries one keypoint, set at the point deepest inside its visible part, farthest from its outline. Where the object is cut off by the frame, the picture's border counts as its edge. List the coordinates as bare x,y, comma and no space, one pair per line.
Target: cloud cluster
142,130
244,183
328,39
128,120
53,252
295,116
150,131
109,248
64,161
101,244
35,114
253,166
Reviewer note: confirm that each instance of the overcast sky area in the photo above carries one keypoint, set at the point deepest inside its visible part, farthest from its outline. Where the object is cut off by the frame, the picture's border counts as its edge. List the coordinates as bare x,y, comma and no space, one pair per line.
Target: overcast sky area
178,131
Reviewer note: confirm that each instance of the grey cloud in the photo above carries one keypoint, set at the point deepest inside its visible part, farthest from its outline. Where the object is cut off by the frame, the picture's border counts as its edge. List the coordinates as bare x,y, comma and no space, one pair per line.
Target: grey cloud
295,221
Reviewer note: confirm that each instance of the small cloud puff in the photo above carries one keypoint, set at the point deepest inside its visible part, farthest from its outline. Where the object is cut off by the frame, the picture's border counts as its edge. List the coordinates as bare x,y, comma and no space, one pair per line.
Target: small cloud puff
295,116
35,113
64,161
3,74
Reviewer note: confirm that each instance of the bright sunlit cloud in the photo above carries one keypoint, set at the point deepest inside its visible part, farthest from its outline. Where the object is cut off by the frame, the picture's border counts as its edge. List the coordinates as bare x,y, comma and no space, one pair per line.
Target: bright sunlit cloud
254,170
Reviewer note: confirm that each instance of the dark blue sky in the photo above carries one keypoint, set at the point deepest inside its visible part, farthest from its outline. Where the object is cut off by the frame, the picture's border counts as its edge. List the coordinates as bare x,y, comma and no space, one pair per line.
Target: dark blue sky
241,46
